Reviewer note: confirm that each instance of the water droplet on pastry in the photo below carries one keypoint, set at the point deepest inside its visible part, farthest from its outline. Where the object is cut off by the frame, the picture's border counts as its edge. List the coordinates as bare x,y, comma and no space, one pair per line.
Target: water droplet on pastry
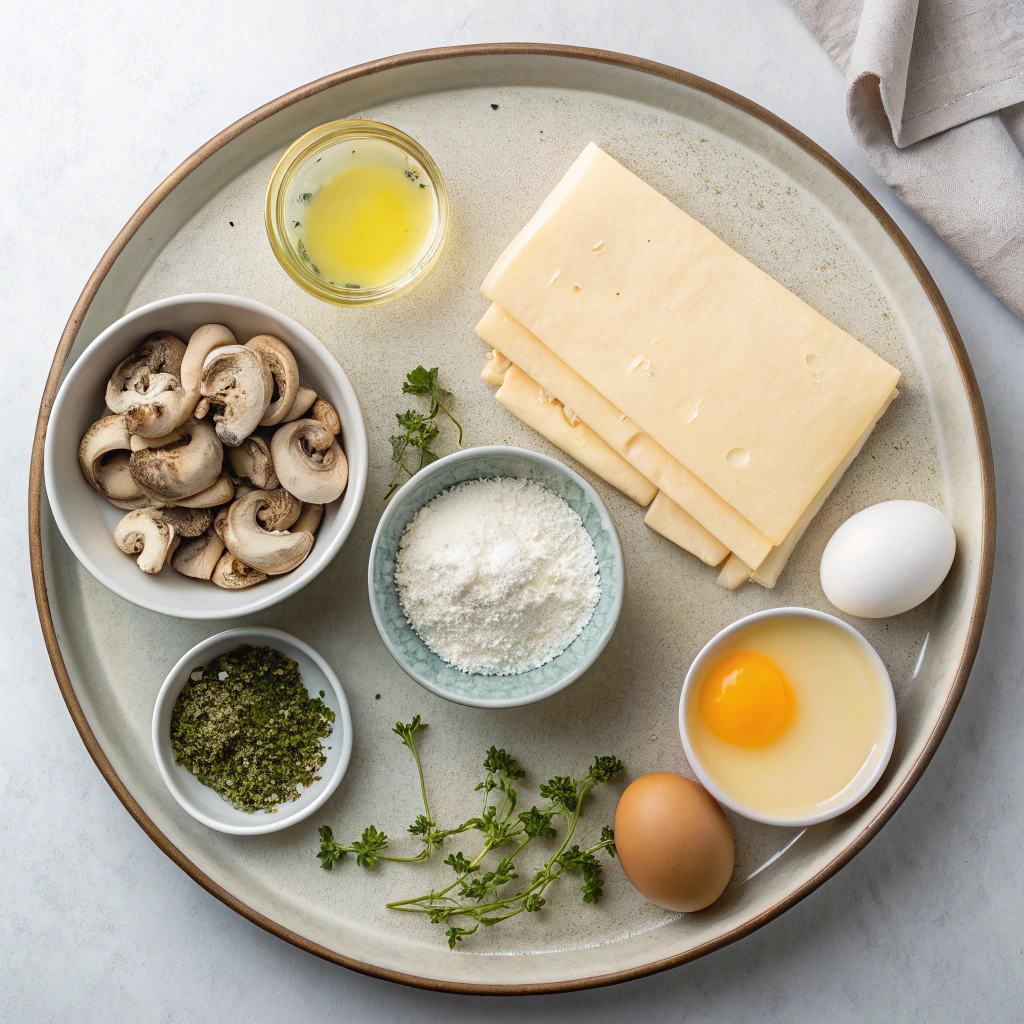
598,247
738,457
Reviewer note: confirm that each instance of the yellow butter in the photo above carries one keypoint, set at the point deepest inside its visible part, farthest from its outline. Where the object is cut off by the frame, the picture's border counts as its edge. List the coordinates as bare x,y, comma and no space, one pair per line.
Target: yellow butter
529,402
667,518
515,342
751,389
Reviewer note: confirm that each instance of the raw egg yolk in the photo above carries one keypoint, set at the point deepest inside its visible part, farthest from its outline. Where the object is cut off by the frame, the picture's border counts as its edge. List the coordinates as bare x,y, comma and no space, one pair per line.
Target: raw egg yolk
745,700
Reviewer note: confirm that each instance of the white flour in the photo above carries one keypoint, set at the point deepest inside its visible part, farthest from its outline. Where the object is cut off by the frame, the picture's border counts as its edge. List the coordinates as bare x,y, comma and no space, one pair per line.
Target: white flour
497,576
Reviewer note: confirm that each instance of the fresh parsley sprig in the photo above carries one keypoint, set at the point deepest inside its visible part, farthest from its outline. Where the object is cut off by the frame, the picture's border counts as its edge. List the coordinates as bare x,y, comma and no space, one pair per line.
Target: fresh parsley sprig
479,896
418,430
424,382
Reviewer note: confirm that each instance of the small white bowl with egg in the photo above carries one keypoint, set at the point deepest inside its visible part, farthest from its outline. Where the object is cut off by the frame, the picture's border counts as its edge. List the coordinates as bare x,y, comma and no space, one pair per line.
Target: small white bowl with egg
788,717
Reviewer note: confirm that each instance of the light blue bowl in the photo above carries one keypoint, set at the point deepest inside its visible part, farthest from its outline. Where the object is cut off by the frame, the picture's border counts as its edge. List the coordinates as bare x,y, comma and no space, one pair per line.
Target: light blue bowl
413,654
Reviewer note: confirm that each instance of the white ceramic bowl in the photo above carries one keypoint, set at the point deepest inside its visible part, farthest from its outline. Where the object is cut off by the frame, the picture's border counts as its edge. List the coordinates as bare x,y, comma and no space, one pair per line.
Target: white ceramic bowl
87,520
202,802
870,772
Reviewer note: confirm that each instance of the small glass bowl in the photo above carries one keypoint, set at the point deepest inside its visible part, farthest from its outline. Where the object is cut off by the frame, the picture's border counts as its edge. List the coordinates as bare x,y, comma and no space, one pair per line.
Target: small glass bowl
306,165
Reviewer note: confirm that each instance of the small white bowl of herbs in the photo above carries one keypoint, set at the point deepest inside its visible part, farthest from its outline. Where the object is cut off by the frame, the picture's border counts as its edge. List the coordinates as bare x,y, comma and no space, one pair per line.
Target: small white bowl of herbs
252,731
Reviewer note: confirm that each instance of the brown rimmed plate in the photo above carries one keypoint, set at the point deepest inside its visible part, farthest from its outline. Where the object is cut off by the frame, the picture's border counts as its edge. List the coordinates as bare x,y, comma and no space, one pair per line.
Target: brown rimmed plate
503,122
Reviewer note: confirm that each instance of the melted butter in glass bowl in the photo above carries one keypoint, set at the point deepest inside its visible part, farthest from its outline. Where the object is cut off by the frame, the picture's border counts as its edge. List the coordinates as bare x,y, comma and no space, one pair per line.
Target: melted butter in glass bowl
356,212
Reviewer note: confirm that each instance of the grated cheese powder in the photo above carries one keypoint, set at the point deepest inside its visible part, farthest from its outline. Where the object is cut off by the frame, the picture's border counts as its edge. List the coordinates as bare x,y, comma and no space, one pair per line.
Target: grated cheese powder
497,576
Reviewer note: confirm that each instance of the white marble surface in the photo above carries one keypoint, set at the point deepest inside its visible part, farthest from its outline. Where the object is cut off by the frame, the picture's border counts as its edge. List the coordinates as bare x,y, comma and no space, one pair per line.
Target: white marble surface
97,924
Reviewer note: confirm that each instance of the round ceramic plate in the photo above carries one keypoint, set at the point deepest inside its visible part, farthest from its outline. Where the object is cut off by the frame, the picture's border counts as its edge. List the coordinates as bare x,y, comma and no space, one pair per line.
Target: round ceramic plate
503,123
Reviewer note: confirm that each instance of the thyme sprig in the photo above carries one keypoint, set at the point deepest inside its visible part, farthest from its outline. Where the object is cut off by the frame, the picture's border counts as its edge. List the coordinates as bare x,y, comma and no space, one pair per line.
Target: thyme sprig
478,895
418,429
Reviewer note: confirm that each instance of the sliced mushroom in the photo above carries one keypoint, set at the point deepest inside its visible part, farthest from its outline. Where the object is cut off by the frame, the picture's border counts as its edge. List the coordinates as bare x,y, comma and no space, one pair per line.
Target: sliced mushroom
158,354
252,460
141,533
104,457
279,510
219,493
187,522
200,345
181,468
304,399
273,552
162,407
233,574
172,548
115,482
198,556
309,520
238,382
218,522
309,461
137,442
285,373
323,412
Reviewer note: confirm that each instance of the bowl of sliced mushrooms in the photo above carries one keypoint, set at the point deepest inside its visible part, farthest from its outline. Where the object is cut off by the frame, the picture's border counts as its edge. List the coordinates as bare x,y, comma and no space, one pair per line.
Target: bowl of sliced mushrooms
205,457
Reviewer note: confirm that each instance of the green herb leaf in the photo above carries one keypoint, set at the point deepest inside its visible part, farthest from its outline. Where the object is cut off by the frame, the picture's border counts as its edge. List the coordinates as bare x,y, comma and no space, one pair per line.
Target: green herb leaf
406,732
561,790
330,851
367,848
458,863
608,840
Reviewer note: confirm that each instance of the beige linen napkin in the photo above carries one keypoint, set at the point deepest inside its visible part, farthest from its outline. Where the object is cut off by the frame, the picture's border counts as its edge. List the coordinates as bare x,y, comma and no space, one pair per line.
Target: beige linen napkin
935,99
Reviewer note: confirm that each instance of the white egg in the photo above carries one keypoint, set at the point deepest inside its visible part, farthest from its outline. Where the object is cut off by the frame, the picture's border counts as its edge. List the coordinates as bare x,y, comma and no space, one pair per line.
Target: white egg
887,559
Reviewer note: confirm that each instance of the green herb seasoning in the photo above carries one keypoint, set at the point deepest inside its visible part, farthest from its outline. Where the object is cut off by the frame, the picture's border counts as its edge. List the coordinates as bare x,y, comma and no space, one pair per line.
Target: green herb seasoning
246,727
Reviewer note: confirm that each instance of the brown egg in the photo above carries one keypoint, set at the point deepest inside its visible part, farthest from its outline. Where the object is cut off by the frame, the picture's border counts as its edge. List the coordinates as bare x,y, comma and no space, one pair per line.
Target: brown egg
673,841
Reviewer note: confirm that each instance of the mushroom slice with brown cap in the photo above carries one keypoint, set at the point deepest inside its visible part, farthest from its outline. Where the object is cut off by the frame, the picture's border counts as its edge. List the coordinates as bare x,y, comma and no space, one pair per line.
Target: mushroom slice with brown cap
233,574
252,460
198,556
219,493
162,407
279,510
104,457
309,520
324,413
237,382
284,371
142,533
182,468
272,552
200,345
304,399
187,522
309,461
159,354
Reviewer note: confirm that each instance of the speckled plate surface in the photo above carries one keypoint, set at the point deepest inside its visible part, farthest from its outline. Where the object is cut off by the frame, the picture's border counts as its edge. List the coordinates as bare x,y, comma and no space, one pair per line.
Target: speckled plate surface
503,123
